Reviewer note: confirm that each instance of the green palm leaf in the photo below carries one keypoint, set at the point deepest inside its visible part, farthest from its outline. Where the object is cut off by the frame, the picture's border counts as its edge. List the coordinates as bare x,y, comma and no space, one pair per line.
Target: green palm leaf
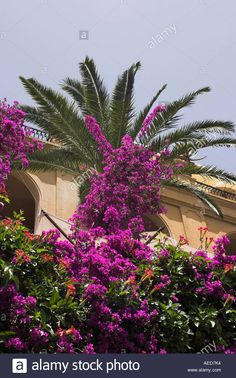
198,193
209,171
63,120
195,133
75,89
192,147
121,106
169,118
95,96
137,125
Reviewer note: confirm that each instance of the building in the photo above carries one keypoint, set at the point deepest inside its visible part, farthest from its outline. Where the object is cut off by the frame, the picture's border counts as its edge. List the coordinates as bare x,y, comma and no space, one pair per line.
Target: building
51,198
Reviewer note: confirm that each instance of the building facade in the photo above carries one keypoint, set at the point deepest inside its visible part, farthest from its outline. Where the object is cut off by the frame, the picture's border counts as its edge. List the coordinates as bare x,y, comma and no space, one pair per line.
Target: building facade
49,198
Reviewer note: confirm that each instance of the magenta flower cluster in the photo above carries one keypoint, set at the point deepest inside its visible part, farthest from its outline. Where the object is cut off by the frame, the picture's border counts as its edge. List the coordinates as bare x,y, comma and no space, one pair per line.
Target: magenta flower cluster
134,299
150,118
15,143
128,188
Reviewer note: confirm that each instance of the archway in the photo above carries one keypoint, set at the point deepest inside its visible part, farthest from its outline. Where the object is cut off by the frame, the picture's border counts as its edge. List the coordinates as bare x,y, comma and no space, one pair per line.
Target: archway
231,248
24,196
154,223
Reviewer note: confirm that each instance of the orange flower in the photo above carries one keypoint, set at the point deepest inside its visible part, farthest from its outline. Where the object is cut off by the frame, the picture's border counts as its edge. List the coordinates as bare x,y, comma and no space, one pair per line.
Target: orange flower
71,290
7,222
29,235
183,240
22,257
60,332
229,298
205,229
228,267
156,288
131,280
46,257
147,274
64,262
70,331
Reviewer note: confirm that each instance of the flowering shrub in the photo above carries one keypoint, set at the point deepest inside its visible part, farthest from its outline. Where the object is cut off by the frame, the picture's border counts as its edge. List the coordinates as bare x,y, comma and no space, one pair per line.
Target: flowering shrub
128,188
14,141
110,292
114,295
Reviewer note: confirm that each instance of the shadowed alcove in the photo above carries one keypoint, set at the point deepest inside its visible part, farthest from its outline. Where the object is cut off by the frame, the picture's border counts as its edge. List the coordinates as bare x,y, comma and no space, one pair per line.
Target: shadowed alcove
231,248
22,195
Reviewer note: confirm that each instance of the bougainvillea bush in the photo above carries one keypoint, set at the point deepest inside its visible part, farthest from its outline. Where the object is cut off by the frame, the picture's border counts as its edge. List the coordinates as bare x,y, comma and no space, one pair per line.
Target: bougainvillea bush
108,291
15,143
128,187
114,295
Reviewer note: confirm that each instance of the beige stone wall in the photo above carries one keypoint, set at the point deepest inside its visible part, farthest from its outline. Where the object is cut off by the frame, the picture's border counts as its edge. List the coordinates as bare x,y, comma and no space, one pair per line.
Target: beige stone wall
186,214
55,193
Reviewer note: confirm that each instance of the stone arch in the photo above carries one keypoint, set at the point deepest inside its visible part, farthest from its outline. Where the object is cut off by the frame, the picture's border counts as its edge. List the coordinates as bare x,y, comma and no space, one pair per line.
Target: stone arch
24,195
154,222
231,248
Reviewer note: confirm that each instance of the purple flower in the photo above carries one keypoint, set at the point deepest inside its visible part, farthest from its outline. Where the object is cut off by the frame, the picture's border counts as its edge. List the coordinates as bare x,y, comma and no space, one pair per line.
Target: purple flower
16,343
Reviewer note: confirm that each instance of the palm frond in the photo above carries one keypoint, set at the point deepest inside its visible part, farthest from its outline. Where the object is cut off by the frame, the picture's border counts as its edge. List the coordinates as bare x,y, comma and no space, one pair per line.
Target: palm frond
60,113
209,171
207,200
96,98
194,133
56,158
75,89
192,147
121,106
137,125
35,116
63,122
169,118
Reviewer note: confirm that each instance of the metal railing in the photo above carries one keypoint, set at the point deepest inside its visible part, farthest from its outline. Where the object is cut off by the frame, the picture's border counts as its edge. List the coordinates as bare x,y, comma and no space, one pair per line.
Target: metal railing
38,134
217,192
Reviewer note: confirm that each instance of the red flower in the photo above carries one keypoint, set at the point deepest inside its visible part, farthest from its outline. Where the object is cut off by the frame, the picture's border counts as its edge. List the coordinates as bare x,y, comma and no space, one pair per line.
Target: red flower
183,240
46,257
29,235
7,222
22,257
147,274
228,267
71,290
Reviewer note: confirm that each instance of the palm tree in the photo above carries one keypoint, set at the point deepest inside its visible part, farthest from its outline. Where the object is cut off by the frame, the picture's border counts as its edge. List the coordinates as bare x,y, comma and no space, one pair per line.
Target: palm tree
63,120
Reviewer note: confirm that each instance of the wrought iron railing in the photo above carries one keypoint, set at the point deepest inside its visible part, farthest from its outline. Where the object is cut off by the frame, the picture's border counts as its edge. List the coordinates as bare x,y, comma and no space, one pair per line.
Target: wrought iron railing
38,134
217,192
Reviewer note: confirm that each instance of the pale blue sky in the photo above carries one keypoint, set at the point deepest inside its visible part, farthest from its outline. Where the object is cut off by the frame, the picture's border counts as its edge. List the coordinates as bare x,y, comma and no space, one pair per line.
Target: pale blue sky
193,45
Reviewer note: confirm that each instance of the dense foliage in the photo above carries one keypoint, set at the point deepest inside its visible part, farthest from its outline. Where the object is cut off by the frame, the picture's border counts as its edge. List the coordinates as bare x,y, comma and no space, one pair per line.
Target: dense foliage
115,295
108,291
129,186
116,114
15,144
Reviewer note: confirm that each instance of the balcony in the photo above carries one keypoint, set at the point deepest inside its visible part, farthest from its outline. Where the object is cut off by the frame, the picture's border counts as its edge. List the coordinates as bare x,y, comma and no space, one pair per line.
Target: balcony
45,137
38,134
217,192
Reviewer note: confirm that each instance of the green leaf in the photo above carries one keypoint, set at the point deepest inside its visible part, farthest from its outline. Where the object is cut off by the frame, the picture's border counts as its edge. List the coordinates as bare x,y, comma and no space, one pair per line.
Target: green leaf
122,107
54,297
